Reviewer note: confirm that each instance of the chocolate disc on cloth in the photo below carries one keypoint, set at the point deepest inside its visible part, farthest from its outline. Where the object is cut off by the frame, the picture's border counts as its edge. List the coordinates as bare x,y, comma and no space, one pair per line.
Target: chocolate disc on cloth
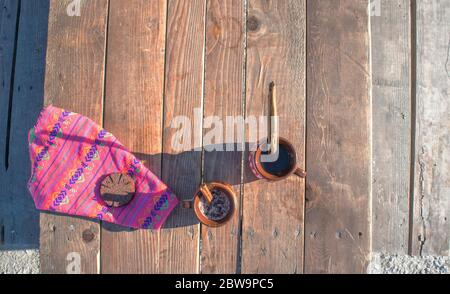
117,189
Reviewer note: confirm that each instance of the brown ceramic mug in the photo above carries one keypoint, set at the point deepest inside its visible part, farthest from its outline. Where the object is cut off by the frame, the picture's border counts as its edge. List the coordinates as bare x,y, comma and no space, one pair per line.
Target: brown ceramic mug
209,195
283,167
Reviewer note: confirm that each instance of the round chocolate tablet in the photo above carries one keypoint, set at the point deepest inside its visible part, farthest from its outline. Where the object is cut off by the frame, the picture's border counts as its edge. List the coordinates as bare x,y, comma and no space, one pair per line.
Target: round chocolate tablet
117,189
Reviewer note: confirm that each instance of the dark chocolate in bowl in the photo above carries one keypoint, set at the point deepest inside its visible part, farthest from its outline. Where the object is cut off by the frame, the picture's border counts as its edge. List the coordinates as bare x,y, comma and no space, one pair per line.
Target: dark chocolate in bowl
222,207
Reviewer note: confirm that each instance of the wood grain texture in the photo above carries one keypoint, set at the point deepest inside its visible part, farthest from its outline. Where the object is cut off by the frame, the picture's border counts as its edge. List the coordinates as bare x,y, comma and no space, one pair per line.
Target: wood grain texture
391,133
181,169
431,216
133,113
20,218
74,81
224,70
8,26
338,141
272,229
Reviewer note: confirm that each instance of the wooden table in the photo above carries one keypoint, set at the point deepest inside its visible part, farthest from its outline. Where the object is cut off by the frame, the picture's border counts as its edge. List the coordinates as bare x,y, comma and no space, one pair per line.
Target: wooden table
135,65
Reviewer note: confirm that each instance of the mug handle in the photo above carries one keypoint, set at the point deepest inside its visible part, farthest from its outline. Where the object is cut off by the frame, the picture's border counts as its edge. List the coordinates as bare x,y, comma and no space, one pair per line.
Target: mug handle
204,189
299,172
188,204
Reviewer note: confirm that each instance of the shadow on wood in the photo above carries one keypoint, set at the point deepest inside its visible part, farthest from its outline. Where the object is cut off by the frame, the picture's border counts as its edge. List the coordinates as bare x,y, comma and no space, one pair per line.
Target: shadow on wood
182,217
21,102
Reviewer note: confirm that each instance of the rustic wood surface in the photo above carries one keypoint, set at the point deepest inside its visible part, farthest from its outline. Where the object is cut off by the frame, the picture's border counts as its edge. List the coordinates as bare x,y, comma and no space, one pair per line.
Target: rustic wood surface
134,77
74,80
391,108
20,219
181,169
272,230
8,27
432,143
338,187
223,96
375,165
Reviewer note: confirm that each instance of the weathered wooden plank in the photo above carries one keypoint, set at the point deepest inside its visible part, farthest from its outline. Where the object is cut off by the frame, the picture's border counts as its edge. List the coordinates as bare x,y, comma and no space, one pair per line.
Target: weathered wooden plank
8,27
133,113
272,232
338,146
391,131
74,80
20,218
224,71
181,170
431,221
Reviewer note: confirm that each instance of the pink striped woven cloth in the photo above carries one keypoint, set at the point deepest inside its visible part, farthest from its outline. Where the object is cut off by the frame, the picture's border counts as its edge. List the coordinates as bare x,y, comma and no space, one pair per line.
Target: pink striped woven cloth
70,154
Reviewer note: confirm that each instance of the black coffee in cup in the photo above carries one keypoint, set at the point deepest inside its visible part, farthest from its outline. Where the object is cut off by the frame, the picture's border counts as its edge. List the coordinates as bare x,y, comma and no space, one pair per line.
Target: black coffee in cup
284,163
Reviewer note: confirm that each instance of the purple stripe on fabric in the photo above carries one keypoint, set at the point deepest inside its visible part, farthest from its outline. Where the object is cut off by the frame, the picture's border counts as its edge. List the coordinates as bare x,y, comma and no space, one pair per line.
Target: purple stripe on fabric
119,148
64,159
139,207
57,126
138,187
57,154
108,154
39,123
88,206
82,166
64,162
40,190
46,143
129,220
136,203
